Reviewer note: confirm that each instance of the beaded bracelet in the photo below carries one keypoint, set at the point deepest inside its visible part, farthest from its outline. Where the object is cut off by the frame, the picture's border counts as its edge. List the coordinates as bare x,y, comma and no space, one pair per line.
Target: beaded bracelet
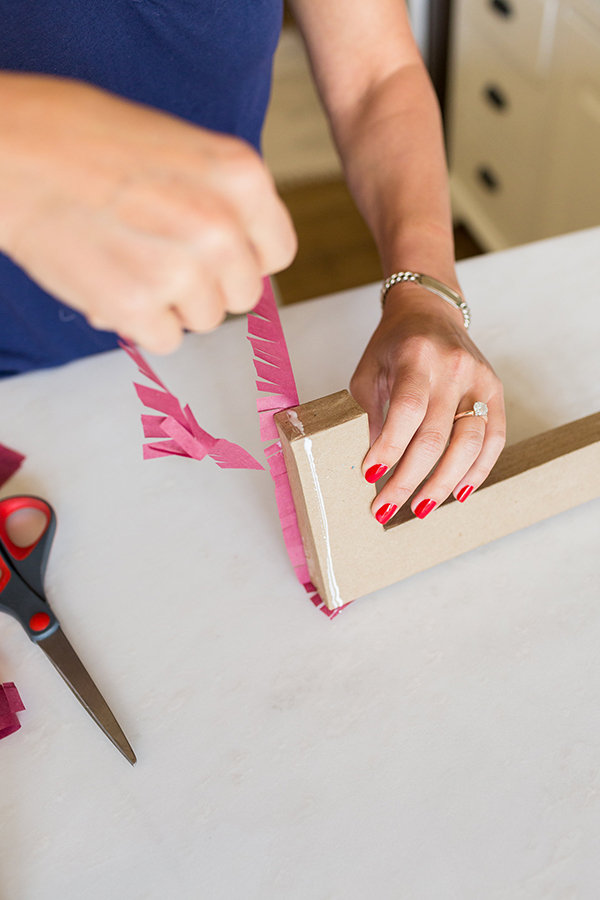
430,284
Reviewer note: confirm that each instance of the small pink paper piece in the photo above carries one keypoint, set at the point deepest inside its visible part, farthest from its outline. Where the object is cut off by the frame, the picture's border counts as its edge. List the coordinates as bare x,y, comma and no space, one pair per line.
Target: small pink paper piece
10,705
181,433
10,461
272,362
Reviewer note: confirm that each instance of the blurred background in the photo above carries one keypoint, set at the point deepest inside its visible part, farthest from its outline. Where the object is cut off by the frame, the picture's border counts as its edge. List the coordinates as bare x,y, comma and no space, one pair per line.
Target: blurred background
519,86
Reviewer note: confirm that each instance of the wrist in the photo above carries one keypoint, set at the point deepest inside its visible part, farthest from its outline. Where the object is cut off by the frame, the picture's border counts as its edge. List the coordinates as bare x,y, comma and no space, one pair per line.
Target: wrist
452,297
426,247
410,299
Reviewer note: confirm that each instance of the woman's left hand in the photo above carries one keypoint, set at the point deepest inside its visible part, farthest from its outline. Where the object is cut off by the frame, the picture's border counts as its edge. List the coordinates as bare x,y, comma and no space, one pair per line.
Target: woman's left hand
421,359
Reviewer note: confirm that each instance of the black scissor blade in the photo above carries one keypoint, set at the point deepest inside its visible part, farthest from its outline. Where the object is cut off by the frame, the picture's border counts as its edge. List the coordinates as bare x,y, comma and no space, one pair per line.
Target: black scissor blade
61,654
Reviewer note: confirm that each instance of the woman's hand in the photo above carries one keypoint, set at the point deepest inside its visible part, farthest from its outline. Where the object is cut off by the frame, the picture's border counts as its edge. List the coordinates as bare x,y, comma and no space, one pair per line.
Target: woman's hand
146,224
421,359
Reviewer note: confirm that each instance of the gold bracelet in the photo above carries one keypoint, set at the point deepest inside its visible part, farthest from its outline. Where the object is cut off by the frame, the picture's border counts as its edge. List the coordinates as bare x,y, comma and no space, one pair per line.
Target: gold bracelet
430,284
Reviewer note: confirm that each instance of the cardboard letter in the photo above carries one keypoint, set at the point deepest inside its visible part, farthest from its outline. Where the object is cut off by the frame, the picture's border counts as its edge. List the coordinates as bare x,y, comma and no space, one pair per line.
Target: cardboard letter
350,554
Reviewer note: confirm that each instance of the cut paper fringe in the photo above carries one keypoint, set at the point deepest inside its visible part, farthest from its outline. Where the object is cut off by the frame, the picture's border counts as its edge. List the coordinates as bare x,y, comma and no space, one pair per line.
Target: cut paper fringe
182,436
275,376
180,430
10,461
10,705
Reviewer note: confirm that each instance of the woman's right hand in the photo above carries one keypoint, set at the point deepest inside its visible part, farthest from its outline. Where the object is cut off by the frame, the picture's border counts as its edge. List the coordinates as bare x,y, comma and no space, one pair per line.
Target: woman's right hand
146,224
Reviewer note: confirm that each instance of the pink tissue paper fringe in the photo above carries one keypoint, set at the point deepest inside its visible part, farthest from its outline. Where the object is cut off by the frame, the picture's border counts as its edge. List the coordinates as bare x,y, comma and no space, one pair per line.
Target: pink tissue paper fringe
182,436
10,705
275,375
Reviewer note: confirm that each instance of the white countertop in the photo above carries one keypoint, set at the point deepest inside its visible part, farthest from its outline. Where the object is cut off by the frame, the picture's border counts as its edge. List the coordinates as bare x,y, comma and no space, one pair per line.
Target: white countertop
439,739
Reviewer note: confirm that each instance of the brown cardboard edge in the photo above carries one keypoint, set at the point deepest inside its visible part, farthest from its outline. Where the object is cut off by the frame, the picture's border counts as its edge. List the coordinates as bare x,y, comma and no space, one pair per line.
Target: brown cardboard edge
319,415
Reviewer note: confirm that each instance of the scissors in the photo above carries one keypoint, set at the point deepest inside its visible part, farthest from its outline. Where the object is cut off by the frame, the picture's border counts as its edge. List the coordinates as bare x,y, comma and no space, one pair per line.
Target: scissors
27,526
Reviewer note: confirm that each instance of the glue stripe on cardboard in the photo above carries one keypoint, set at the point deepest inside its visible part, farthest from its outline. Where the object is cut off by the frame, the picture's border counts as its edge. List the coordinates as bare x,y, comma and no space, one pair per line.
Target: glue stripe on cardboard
333,585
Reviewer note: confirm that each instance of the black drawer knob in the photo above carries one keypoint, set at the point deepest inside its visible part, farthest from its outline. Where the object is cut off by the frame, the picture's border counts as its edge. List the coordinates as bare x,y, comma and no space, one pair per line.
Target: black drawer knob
502,8
495,97
488,179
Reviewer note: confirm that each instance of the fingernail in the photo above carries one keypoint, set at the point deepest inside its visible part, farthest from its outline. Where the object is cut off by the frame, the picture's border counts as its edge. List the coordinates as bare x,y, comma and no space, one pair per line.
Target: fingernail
386,512
424,508
375,473
465,492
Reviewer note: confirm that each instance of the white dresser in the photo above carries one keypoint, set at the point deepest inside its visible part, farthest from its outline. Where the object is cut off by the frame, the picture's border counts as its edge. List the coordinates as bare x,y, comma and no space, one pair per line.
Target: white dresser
524,118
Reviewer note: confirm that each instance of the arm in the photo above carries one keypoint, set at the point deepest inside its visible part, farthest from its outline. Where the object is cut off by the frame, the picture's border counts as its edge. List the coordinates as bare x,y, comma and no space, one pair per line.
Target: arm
387,127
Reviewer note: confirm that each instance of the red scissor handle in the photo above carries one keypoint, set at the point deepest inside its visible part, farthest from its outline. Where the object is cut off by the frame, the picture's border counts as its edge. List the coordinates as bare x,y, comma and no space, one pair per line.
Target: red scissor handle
10,505
29,562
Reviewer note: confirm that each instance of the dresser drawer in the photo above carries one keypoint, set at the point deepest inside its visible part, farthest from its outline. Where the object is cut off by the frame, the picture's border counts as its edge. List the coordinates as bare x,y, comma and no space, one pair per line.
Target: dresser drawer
572,187
493,98
501,185
515,26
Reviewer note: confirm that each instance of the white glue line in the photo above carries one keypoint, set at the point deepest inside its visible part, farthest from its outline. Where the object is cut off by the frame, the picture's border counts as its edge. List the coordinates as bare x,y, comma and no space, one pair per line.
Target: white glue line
333,586
294,419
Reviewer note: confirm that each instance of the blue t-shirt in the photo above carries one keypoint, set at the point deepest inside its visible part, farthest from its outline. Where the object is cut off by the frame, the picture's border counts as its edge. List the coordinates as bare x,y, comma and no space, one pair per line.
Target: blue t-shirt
208,61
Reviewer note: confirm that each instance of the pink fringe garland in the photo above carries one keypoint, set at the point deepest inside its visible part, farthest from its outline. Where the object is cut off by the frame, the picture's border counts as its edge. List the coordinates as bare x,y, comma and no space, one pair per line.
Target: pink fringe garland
272,362
182,436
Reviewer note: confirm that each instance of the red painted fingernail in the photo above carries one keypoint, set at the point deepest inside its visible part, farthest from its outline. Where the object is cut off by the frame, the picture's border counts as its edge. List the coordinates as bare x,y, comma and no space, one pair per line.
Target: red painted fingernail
386,512
465,492
375,473
424,508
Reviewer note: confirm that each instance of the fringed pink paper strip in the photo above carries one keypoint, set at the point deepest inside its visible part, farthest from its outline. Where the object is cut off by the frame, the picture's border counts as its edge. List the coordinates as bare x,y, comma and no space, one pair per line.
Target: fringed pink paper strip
272,362
10,705
10,461
183,436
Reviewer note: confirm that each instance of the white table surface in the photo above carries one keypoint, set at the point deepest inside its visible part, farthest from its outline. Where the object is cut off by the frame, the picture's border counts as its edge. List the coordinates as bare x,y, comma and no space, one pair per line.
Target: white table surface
439,739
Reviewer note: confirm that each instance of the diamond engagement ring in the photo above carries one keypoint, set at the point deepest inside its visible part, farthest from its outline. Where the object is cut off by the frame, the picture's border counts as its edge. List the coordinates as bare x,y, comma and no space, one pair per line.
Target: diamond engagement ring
479,409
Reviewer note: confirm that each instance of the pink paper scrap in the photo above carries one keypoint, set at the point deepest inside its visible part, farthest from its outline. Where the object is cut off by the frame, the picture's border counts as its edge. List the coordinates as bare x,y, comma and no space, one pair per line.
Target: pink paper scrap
10,705
10,461
182,434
